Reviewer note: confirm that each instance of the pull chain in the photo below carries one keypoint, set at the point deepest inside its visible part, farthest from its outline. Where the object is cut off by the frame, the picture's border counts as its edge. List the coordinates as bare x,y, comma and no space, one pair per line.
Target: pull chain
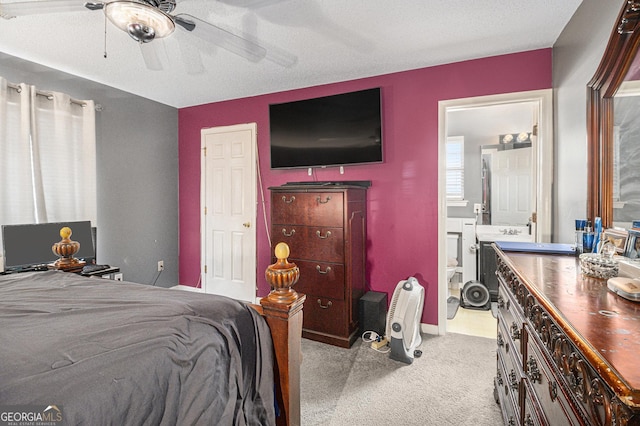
105,36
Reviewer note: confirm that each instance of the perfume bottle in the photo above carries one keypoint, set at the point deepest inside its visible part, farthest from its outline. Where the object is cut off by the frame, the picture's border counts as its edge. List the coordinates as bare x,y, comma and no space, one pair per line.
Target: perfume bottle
580,224
587,238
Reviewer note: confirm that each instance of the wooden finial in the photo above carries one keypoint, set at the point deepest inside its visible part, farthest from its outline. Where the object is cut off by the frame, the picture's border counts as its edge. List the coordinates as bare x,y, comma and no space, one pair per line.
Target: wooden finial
65,249
282,275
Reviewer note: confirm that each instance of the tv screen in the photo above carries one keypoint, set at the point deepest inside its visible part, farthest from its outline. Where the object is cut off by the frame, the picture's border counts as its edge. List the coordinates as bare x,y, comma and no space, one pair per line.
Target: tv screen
333,130
27,246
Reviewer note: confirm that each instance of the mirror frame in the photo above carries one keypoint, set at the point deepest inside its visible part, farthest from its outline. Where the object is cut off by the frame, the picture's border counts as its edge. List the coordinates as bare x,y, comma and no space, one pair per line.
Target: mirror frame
618,56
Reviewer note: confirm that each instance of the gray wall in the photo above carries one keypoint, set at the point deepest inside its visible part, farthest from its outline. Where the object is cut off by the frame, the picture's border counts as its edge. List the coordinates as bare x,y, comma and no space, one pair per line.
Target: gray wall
137,172
576,56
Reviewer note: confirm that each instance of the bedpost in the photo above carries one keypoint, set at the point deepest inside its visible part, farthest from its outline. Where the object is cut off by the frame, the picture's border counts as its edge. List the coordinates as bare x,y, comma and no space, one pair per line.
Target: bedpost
282,309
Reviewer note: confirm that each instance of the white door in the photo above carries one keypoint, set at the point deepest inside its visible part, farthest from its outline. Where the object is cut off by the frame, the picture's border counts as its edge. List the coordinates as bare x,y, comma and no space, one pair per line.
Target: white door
228,201
512,187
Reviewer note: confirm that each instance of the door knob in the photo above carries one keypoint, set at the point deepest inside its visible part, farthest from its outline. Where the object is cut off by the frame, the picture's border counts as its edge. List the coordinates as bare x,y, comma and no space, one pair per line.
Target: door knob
247,224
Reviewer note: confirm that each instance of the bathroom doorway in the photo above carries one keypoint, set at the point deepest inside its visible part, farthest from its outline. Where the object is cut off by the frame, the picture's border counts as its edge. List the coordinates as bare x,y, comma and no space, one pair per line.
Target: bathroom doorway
490,126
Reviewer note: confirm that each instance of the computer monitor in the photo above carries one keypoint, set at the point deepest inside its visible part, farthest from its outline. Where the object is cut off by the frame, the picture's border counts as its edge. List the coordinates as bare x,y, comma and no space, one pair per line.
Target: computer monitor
29,245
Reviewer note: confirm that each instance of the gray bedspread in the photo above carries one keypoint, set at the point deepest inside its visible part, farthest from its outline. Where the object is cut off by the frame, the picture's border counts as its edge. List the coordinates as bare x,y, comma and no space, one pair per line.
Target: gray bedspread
118,353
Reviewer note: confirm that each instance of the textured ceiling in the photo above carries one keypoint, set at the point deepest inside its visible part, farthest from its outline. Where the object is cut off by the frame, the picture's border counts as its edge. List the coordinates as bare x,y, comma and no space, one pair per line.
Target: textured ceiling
319,41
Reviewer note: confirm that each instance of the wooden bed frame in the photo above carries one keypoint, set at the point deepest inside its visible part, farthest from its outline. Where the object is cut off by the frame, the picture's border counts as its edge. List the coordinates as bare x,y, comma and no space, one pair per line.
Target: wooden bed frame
282,309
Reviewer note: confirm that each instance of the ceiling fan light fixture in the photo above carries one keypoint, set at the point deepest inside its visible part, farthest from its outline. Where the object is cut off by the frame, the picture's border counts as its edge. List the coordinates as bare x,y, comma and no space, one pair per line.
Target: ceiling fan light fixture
142,21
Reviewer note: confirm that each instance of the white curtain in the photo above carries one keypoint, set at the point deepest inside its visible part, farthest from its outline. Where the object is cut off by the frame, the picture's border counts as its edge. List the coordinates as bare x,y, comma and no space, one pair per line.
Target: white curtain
47,156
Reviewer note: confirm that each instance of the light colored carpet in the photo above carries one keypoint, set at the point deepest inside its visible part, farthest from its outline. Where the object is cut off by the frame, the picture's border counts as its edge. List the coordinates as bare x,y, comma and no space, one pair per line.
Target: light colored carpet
450,384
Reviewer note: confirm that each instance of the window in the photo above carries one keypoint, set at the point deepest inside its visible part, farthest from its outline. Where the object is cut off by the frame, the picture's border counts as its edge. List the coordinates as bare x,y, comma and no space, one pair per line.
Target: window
455,168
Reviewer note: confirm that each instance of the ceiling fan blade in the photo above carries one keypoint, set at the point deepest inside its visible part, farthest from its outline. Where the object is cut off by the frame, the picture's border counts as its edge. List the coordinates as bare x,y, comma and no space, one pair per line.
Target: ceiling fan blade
226,39
184,22
275,54
151,55
191,57
24,8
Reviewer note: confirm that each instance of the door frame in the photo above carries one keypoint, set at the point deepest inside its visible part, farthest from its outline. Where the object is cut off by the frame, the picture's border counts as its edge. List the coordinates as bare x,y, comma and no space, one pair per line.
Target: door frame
544,178
251,186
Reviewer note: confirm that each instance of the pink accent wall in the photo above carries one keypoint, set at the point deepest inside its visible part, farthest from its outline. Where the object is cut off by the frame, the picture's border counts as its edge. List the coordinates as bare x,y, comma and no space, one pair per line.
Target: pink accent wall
403,199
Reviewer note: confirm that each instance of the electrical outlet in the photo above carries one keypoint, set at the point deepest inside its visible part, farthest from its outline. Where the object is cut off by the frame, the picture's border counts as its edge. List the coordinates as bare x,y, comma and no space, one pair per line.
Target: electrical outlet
160,265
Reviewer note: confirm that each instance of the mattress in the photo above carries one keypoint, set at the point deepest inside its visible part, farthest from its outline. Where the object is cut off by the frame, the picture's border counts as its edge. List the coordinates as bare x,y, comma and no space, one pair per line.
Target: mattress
110,352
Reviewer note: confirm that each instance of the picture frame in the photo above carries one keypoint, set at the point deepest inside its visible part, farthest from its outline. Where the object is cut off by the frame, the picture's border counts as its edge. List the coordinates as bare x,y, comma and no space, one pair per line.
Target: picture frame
618,238
632,248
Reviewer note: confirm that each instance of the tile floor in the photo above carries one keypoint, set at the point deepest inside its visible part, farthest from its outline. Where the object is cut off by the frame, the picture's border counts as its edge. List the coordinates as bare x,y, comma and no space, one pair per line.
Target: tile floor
472,322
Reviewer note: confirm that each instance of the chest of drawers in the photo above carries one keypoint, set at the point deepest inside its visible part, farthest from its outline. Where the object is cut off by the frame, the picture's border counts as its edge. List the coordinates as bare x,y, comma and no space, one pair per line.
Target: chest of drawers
325,228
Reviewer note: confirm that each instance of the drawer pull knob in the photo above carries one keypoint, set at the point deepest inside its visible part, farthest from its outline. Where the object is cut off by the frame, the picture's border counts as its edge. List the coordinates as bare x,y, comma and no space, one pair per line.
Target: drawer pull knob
319,200
513,380
534,371
529,421
290,200
553,390
515,331
290,234
325,236
326,271
327,306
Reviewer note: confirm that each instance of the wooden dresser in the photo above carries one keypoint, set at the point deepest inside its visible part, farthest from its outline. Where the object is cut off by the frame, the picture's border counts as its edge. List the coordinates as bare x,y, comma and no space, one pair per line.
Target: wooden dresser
568,348
326,229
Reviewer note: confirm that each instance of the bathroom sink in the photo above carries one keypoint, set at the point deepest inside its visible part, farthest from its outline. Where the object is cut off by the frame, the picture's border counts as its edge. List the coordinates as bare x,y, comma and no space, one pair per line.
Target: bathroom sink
491,236
502,237
497,233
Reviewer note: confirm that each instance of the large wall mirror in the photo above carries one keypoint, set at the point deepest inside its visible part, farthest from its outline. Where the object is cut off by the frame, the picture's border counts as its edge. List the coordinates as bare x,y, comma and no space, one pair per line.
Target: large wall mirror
613,126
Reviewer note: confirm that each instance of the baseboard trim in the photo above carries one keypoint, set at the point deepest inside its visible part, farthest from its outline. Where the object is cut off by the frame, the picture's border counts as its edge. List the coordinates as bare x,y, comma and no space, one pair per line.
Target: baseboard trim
429,329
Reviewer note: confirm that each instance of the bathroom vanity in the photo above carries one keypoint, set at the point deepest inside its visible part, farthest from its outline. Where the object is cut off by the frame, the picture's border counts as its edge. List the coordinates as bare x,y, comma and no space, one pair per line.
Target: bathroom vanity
568,348
487,235
487,268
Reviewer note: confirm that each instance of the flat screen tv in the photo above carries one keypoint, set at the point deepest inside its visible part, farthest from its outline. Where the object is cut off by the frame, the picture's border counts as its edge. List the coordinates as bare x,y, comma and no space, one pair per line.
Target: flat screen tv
335,130
29,246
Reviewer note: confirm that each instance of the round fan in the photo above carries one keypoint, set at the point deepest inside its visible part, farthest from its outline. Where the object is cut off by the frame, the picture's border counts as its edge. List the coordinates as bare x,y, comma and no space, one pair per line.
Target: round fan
475,295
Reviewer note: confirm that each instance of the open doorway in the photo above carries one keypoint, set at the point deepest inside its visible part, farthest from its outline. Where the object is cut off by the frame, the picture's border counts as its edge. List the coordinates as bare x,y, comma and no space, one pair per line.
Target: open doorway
491,127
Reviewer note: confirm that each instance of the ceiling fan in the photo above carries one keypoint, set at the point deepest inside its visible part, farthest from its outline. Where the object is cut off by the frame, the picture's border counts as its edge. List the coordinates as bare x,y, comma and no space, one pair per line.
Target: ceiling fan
148,20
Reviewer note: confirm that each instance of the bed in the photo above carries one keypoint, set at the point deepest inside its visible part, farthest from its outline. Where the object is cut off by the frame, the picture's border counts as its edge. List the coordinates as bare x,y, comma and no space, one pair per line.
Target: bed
111,352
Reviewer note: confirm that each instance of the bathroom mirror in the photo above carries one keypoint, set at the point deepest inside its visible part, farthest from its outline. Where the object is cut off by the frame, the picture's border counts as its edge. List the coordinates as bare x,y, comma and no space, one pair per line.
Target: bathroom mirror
612,96
506,179
500,166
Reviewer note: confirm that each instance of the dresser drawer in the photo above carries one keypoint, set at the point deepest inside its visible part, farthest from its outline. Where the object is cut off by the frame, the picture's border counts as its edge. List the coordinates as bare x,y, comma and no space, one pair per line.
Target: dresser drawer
325,315
508,348
512,366
549,389
510,316
532,415
318,208
311,242
503,392
321,279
